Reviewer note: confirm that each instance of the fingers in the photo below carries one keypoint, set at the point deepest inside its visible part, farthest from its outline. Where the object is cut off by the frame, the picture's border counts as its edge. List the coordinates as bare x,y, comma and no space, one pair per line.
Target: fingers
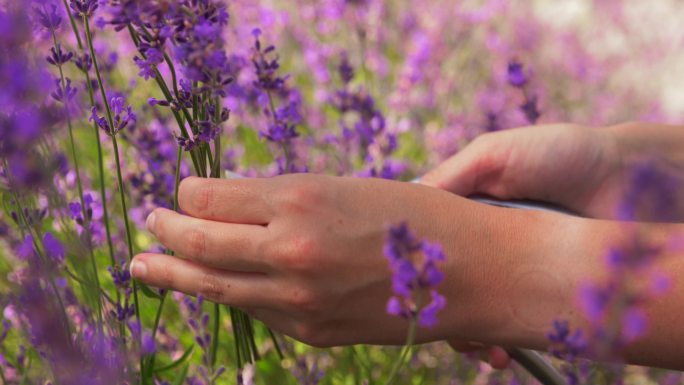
220,245
237,201
220,286
496,356
465,346
469,171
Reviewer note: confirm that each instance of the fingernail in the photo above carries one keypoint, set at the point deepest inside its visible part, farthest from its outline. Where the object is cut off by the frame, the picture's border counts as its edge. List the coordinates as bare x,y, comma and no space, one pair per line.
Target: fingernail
138,269
149,223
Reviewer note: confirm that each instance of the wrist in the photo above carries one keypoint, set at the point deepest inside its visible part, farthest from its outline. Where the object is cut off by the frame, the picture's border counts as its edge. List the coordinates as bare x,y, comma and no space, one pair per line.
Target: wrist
522,277
639,140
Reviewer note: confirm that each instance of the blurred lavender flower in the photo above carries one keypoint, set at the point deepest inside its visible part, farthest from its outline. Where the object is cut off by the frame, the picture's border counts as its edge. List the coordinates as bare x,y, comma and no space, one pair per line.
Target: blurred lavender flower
568,346
410,280
24,119
531,109
306,375
53,248
64,94
266,68
84,8
48,16
59,57
516,74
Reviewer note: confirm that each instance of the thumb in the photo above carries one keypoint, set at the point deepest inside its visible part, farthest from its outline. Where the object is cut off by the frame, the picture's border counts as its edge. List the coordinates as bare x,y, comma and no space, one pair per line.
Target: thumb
476,169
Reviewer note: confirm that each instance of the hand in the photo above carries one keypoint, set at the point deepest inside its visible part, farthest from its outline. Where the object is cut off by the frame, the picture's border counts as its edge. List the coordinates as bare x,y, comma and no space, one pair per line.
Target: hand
581,168
303,253
573,166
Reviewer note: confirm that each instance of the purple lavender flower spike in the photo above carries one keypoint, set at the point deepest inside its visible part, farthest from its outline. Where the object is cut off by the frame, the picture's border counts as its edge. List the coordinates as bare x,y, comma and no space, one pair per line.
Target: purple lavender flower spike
49,17
84,8
122,117
410,280
58,57
53,248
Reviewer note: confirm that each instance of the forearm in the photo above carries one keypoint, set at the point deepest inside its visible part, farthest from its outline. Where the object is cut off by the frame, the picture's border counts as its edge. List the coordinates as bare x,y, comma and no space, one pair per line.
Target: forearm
527,269
638,140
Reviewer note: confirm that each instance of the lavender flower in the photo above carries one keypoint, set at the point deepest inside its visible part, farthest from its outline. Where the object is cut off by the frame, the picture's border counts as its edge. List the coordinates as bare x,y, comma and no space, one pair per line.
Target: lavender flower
516,74
64,94
58,56
148,66
49,17
84,8
409,281
53,248
122,117
568,346
266,68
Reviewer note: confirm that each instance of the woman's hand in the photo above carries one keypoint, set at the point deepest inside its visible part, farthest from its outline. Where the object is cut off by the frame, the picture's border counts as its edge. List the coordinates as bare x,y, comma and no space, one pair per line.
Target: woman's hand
573,166
576,167
303,253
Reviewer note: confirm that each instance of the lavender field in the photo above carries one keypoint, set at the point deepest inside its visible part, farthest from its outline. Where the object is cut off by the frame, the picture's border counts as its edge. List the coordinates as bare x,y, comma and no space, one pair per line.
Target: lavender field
107,105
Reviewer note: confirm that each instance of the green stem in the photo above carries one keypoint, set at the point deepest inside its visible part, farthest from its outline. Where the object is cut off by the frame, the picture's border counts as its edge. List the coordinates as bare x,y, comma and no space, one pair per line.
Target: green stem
127,225
122,191
79,185
37,244
167,94
233,321
100,157
275,343
2,376
157,317
215,332
83,283
404,351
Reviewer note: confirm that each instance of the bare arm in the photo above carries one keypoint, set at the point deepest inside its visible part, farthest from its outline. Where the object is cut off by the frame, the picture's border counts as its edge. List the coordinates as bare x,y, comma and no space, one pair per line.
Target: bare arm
303,253
533,276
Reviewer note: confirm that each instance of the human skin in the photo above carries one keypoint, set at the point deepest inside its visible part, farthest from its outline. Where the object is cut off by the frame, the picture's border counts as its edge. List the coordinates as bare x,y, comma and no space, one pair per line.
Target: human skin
303,253
581,168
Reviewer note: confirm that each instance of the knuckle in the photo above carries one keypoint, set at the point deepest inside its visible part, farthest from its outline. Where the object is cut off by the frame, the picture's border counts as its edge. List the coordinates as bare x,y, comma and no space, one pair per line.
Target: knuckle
304,302
203,198
299,253
197,243
185,187
211,288
167,276
313,335
302,195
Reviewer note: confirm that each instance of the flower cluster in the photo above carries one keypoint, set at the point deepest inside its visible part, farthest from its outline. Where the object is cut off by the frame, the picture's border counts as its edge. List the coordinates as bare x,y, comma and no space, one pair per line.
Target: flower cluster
119,117
567,345
518,78
411,281
373,89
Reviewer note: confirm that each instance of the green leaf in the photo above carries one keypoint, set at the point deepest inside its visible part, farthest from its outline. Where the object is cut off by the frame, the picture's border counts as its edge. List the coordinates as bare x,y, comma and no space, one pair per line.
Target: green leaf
178,362
181,379
149,293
